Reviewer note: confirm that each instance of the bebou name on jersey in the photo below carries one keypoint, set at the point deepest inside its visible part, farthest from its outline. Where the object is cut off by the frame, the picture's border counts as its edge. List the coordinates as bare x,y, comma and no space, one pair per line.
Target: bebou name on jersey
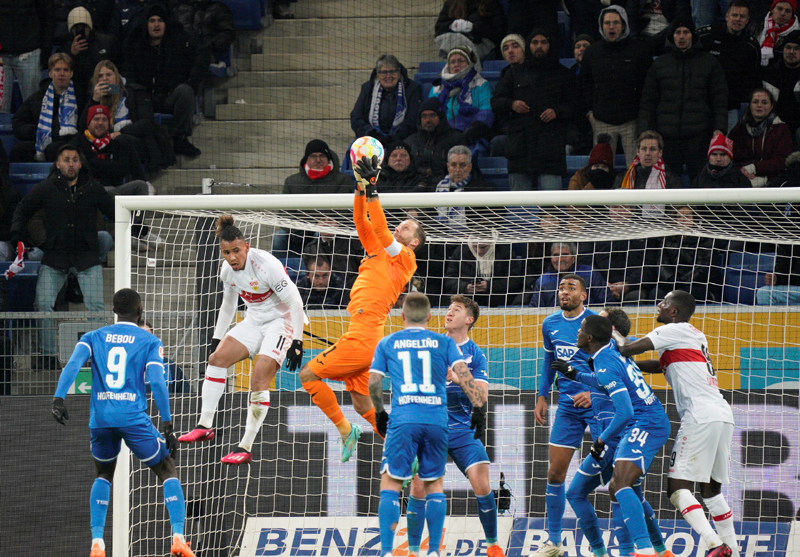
120,339
416,343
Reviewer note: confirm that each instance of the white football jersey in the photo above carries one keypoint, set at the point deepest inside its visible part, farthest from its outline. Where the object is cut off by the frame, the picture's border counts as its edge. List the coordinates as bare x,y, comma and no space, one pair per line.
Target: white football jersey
683,353
260,285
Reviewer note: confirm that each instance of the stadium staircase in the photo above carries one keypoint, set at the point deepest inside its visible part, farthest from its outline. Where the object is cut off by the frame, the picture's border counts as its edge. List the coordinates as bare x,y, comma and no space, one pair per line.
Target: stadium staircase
302,85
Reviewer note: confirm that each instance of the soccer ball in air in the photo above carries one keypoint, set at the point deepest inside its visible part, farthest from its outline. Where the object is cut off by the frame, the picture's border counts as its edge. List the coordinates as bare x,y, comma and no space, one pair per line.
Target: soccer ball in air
366,147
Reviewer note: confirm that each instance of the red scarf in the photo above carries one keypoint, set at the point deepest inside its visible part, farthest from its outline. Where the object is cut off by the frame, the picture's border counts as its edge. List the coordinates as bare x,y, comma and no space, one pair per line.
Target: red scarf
773,30
656,180
319,174
98,144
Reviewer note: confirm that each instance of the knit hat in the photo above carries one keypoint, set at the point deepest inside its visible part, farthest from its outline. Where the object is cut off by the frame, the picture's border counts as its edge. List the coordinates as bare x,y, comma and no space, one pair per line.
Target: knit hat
583,37
98,109
513,38
793,37
688,23
602,153
792,3
159,10
317,146
721,143
464,51
77,16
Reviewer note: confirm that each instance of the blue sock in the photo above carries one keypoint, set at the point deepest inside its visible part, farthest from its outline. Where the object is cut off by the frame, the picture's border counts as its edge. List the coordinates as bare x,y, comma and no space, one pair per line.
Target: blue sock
556,501
487,512
656,538
624,539
578,497
175,503
98,506
435,511
388,516
415,514
631,507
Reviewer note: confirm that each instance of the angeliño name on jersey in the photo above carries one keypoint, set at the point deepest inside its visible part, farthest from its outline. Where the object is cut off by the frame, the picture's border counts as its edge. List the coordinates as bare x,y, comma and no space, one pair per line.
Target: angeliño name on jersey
415,343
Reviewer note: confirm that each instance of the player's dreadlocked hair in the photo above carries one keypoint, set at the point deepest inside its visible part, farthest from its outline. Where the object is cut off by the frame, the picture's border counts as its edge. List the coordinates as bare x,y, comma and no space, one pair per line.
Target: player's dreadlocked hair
226,229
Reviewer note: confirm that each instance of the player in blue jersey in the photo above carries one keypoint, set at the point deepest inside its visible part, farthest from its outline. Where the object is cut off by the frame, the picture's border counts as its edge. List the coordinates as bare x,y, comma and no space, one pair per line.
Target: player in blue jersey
417,362
592,474
638,415
120,356
464,447
575,400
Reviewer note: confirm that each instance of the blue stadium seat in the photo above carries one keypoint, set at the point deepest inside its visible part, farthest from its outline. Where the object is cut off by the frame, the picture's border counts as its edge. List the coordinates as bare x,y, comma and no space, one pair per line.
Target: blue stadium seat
743,274
162,118
22,287
495,171
567,62
491,70
25,175
225,66
246,13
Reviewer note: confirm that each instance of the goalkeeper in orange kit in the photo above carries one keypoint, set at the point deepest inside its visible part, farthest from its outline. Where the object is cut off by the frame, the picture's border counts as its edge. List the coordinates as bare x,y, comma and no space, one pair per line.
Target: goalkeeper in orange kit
383,275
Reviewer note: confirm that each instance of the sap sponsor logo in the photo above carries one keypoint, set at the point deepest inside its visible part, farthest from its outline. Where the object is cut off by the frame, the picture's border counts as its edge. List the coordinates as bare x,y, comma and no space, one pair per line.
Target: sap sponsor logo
755,539
565,352
357,537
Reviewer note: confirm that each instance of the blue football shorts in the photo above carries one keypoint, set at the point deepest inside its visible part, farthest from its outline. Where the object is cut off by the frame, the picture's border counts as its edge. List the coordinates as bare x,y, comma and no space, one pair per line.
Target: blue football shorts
405,441
465,450
143,440
642,440
570,425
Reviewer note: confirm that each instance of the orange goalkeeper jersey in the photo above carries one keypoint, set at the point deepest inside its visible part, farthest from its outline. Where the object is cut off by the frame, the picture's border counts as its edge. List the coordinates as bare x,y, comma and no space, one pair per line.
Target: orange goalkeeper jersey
381,277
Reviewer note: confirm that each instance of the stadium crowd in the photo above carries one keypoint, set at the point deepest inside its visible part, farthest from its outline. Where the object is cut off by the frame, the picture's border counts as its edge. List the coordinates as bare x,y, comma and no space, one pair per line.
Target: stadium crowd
693,97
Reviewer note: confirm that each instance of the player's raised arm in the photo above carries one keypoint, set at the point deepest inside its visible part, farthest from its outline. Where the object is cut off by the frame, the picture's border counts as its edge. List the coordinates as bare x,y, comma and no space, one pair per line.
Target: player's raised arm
632,348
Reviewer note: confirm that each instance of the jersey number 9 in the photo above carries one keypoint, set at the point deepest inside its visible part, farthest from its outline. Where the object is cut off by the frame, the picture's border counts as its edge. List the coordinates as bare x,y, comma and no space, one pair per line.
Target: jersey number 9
117,358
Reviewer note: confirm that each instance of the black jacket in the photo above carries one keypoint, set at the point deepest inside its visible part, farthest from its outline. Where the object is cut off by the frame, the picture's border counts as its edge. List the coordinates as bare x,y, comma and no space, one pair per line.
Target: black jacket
100,47
731,178
491,26
344,253
209,23
504,285
612,77
739,56
359,116
781,81
160,69
333,297
534,146
26,25
685,95
642,174
26,119
680,262
391,181
70,219
429,149
113,165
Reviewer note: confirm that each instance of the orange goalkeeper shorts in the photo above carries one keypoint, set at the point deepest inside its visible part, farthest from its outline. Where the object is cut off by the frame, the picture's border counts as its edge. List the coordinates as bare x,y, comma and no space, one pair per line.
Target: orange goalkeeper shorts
348,360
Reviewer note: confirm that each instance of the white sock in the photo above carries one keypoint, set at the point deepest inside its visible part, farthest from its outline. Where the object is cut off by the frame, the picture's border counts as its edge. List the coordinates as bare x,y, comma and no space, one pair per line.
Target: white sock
694,514
723,521
180,537
213,389
256,412
100,542
645,551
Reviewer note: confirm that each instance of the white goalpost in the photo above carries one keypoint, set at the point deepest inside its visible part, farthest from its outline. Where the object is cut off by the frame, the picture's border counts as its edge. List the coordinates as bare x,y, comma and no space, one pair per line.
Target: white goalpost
296,496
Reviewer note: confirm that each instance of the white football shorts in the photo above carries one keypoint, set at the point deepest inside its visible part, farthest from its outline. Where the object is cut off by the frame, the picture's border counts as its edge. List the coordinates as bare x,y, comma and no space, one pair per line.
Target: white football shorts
701,452
271,339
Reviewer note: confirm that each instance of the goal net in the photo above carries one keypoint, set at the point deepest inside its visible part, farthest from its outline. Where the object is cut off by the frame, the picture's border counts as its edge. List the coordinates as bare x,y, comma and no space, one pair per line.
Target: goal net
296,498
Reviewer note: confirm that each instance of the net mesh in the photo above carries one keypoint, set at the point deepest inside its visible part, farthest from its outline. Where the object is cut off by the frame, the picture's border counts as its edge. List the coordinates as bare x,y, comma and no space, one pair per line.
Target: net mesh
296,471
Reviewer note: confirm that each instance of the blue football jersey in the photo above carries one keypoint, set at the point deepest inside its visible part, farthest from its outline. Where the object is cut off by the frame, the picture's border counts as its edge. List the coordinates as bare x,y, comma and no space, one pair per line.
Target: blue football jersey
560,337
416,361
459,407
616,374
120,354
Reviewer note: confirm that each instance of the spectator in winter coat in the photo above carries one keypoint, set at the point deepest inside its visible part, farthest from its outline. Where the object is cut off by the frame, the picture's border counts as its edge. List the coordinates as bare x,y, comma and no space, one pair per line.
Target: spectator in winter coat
48,119
737,52
388,105
399,174
432,141
127,16
611,80
321,288
685,99
26,36
485,271
343,252
781,78
513,48
562,262
208,22
477,24
162,58
721,172
132,115
779,22
599,174
86,46
761,141
651,19
462,175
580,138
538,95
465,98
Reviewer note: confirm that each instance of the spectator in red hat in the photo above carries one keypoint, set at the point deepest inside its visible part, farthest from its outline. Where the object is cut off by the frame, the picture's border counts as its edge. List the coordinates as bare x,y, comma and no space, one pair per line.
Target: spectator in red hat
761,140
599,173
779,22
720,172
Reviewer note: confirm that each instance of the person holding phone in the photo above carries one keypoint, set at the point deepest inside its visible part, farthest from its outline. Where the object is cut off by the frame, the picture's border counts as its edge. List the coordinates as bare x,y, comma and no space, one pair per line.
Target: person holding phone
86,46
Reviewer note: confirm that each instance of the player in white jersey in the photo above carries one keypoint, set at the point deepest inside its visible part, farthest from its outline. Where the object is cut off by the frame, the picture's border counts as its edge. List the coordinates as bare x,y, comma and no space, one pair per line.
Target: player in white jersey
272,329
702,448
